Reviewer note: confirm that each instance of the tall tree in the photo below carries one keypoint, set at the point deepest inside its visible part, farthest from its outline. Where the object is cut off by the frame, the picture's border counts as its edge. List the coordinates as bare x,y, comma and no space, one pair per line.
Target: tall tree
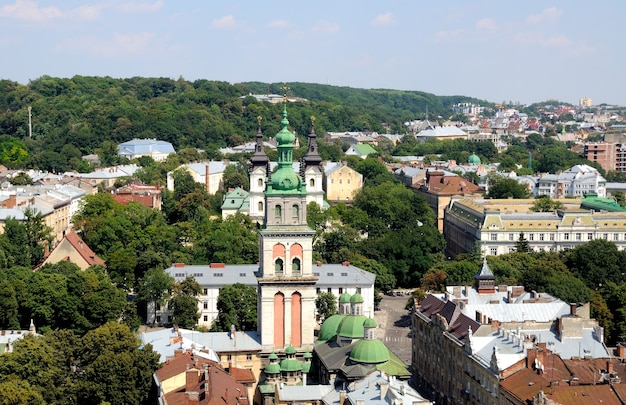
236,305
184,303
154,288
326,305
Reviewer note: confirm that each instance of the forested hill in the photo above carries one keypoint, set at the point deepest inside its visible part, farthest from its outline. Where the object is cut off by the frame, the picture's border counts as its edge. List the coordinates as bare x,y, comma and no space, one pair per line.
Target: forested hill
73,117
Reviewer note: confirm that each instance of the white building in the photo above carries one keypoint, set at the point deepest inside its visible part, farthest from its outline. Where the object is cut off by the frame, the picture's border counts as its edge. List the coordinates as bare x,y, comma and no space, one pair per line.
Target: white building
136,148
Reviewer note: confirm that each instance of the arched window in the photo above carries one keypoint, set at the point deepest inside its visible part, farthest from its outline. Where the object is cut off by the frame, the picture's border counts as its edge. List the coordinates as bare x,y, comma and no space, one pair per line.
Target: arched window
278,210
295,210
278,266
312,182
260,206
295,266
260,182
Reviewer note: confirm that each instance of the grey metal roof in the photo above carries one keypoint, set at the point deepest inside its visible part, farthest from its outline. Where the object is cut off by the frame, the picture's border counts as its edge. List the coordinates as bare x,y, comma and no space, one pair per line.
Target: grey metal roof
329,274
144,147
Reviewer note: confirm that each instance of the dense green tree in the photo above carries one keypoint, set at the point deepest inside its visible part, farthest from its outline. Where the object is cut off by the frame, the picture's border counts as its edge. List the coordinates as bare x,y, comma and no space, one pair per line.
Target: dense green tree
154,287
501,187
545,204
8,306
231,240
236,176
184,303
522,245
14,391
326,305
236,305
597,262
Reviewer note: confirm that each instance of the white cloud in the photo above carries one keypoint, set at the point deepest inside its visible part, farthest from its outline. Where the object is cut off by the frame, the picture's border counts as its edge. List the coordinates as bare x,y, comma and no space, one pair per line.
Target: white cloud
278,24
326,27
141,7
558,41
29,10
384,20
225,22
486,24
548,15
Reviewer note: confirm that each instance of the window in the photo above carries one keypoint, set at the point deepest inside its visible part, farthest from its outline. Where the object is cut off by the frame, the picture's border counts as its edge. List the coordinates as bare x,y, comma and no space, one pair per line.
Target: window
566,236
493,251
278,266
248,356
219,274
579,236
242,274
344,274
229,357
278,212
197,274
318,290
260,205
552,236
312,182
493,236
511,236
348,181
259,182
330,290
340,290
205,318
295,211
541,236
205,291
205,305
295,265
615,236
158,319
179,275
158,306
531,236
589,236
330,274
340,181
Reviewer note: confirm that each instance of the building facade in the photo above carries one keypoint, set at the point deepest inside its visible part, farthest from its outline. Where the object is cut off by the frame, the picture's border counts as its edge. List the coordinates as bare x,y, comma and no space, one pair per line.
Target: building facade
496,225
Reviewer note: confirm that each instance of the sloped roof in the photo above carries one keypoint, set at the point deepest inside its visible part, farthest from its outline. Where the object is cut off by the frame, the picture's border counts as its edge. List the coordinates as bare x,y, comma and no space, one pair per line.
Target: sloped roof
144,147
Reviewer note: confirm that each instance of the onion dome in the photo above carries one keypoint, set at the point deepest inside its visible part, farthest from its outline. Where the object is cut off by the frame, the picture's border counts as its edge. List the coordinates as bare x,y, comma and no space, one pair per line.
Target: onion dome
473,159
285,178
344,298
273,367
306,366
369,351
356,298
352,327
329,328
369,323
290,363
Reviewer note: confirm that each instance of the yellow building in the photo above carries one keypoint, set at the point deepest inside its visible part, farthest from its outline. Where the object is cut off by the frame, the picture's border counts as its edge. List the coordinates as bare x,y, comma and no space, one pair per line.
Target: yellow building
341,182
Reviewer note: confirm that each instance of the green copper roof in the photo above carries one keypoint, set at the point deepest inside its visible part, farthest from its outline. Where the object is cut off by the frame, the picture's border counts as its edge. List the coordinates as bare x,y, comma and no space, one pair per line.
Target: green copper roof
352,327
356,298
285,180
394,366
272,368
273,356
344,298
369,323
306,367
369,351
473,159
308,355
290,350
290,365
329,327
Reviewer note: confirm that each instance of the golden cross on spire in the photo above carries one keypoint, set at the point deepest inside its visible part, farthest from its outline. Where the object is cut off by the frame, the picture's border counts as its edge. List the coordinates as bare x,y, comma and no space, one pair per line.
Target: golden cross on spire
312,119
285,89
259,118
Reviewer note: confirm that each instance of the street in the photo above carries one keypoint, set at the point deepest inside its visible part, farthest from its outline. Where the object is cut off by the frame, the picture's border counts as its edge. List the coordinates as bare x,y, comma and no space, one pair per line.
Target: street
394,326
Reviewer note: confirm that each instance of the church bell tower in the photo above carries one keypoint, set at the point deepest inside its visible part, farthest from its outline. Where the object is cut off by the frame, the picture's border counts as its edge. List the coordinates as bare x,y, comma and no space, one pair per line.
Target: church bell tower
286,284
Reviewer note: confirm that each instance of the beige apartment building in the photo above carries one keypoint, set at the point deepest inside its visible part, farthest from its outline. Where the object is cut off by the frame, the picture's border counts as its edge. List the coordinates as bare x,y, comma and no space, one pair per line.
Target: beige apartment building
342,182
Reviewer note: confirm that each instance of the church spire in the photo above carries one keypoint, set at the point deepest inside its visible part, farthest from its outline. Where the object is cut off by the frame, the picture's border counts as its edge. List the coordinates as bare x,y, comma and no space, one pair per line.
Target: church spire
312,157
259,158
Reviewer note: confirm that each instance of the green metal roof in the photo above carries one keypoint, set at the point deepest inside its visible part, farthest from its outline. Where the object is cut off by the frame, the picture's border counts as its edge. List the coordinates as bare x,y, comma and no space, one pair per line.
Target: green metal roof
473,159
356,298
329,328
369,323
344,298
290,365
272,368
369,351
285,180
352,327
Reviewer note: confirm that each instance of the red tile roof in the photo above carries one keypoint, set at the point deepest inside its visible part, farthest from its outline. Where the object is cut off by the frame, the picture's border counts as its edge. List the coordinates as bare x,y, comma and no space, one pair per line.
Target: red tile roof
81,247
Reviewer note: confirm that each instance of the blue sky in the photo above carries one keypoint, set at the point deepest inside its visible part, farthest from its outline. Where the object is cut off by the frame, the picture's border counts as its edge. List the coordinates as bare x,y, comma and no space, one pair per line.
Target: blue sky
526,51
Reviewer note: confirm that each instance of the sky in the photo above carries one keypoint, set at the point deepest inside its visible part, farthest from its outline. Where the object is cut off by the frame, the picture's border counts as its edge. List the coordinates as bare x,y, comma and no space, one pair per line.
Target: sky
500,51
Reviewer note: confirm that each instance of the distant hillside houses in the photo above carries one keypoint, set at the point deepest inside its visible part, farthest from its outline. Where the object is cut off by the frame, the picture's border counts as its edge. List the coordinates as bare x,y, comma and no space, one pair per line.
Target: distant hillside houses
209,173
136,148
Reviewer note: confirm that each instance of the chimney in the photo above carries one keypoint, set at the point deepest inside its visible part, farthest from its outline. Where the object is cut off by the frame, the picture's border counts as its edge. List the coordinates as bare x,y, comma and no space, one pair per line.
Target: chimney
191,378
319,264
342,397
609,366
384,387
207,173
572,309
226,395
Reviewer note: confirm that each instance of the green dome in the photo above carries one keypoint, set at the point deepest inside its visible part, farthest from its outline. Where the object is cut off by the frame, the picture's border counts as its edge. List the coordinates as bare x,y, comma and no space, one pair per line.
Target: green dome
308,355
285,178
306,367
290,350
369,323
369,351
344,298
272,368
473,159
329,327
285,136
273,356
356,298
290,365
352,327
